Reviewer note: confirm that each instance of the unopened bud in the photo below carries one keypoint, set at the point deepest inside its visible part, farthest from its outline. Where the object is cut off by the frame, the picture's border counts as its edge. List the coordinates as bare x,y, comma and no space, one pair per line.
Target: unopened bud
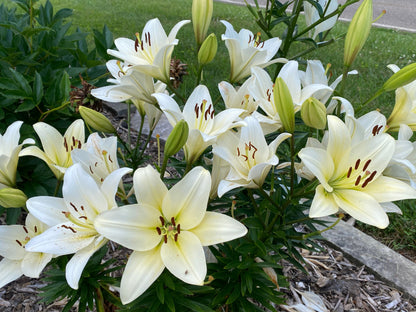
12,198
358,31
284,104
401,78
96,120
313,113
177,138
201,18
208,50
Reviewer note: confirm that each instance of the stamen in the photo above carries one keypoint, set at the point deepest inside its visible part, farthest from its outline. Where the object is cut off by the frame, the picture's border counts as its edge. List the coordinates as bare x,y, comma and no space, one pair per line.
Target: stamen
358,180
349,172
172,220
150,43
73,141
159,231
65,145
196,111
92,172
165,238
83,217
238,152
178,228
176,237
162,220
17,241
24,228
369,179
82,208
36,229
73,206
109,158
366,164
357,164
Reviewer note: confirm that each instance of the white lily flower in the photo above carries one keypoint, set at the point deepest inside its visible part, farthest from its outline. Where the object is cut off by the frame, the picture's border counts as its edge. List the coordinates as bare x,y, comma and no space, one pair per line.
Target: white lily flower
9,154
249,156
316,74
351,176
312,15
238,98
17,260
98,157
71,218
262,91
131,84
198,112
404,110
166,228
57,148
247,50
150,54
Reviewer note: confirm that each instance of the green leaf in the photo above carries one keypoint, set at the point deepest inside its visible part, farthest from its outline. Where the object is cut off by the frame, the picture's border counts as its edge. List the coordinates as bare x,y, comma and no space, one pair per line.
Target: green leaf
37,89
27,105
21,81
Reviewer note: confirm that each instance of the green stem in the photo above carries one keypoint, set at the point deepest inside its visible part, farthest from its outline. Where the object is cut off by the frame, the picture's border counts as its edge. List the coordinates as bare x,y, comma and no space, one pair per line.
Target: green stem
145,144
256,207
199,76
292,164
100,300
58,185
45,114
172,89
164,165
306,236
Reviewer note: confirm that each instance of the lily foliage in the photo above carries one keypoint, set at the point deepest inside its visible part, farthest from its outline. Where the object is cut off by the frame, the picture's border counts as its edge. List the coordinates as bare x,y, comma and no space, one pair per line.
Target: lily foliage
249,171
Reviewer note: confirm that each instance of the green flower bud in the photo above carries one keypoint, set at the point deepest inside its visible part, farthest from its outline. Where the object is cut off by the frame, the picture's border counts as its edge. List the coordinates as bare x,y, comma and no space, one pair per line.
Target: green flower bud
358,31
177,138
96,120
401,78
12,198
284,105
313,113
201,18
208,50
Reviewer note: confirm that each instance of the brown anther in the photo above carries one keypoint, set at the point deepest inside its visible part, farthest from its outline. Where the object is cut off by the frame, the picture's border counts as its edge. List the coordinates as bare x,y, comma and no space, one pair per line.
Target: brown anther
83,217
150,42
176,237
96,164
109,158
25,229
369,179
357,164
252,146
65,144
207,112
212,113
178,228
165,239
162,220
79,144
73,206
136,44
82,208
36,229
92,172
141,45
172,220
358,180
17,241
366,165
245,157
101,179
73,141
196,111
238,152
349,172
159,231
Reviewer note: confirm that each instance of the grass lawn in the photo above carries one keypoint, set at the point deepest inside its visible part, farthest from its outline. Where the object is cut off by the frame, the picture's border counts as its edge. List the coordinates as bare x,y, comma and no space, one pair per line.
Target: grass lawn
125,18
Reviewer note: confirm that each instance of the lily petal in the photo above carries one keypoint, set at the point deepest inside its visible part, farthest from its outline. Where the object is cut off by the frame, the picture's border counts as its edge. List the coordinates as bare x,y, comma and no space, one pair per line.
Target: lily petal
48,209
217,228
34,263
142,269
185,258
153,192
323,203
187,200
132,226
9,271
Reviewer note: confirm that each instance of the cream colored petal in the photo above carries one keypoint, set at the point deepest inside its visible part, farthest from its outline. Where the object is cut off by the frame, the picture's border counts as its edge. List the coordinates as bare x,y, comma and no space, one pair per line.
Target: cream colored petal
339,139
185,258
52,142
323,203
9,271
110,186
386,189
362,207
142,269
132,226
34,262
76,265
62,239
320,163
187,200
148,187
48,209
217,228
9,247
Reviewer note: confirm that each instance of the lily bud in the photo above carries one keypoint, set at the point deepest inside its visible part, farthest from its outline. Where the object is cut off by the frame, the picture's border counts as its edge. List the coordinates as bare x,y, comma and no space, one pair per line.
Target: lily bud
313,113
358,31
12,198
401,78
201,18
96,120
208,50
284,104
177,138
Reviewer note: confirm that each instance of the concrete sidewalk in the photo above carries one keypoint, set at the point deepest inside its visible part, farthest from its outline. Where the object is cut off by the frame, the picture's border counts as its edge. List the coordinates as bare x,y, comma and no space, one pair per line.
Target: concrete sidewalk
400,14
